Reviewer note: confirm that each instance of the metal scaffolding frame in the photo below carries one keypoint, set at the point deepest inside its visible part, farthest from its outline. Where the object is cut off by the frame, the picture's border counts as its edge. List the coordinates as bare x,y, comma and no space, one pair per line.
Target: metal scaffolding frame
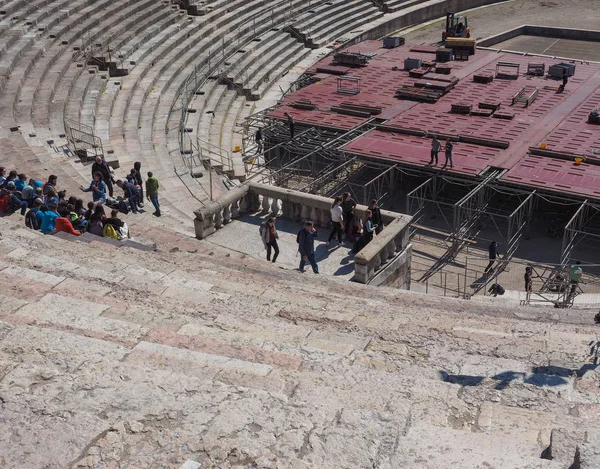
579,229
82,140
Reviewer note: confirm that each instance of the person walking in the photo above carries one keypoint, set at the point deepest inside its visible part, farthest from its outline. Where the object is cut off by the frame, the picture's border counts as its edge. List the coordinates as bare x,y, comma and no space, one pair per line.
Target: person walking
100,166
306,246
448,153
152,192
492,253
377,220
269,238
259,141
291,124
348,205
575,273
435,149
337,220
528,277
565,80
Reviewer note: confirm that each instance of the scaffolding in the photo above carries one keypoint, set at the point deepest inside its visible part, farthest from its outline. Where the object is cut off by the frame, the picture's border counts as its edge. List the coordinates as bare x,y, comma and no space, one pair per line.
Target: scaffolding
550,283
82,140
584,225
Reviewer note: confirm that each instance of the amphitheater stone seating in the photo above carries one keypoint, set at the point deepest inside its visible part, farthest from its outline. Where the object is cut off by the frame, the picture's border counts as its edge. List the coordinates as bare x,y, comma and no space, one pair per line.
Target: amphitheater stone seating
196,343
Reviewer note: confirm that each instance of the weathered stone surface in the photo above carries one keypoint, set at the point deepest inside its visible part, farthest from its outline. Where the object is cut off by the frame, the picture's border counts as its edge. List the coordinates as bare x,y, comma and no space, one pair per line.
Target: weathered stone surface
589,452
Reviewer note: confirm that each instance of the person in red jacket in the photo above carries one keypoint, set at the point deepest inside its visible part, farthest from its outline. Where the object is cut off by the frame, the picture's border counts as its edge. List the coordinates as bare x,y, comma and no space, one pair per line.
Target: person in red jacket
63,224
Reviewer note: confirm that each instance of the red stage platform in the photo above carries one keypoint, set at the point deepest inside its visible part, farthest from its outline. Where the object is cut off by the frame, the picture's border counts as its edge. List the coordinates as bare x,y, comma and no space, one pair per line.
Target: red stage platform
559,120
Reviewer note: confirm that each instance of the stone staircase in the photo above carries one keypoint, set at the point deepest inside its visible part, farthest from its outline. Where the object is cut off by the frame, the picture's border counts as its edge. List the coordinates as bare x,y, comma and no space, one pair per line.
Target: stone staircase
193,352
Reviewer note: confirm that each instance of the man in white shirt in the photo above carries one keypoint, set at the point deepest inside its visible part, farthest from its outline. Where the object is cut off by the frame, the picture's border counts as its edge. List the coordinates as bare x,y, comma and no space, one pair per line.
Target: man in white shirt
337,219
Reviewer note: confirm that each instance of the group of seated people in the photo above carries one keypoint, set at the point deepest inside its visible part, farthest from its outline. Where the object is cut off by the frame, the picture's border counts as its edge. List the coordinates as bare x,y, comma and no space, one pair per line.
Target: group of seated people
50,211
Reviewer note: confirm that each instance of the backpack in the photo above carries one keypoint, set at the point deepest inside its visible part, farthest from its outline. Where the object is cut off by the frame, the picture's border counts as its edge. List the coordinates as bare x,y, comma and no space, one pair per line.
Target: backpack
110,232
4,202
261,229
31,221
123,206
298,236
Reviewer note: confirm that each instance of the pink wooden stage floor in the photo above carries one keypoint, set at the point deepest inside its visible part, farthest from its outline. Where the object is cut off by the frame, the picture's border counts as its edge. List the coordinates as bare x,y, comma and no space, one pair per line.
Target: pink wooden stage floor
557,119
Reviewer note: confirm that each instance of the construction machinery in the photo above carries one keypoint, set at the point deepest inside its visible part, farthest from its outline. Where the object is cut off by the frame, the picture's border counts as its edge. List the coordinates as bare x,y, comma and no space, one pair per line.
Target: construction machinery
456,26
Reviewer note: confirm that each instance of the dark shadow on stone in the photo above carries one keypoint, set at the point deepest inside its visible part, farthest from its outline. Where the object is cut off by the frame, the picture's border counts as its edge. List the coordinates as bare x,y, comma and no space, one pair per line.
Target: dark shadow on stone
462,380
545,380
506,377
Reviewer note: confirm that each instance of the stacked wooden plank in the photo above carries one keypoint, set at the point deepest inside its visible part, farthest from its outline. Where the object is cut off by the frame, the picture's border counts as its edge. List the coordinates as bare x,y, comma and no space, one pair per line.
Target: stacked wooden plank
482,112
442,86
443,69
483,77
424,95
372,110
493,105
419,72
461,108
504,115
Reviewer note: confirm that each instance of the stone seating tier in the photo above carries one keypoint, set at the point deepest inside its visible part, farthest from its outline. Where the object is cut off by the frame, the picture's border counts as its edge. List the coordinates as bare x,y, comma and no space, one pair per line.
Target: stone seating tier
123,348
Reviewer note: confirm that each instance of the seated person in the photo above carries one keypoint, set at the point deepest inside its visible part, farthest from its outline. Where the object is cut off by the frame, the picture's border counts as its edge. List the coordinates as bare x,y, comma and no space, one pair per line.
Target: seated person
50,185
63,224
114,220
10,178
78,222
11,201
33,219
28,194
20,182
79,209
97,218
49,219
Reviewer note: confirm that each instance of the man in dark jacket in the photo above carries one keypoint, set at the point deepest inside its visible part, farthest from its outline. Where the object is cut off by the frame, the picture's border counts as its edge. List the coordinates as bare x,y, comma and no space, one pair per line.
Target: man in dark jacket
137,176
100,166
131,193
493,252
306,246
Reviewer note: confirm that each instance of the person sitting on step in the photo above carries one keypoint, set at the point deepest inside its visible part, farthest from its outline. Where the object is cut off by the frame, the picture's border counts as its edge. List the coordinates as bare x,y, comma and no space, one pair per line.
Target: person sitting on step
49,219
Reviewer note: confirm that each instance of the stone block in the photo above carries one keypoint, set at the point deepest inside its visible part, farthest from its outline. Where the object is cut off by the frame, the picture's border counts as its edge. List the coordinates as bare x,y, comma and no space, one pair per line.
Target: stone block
563,446
189,464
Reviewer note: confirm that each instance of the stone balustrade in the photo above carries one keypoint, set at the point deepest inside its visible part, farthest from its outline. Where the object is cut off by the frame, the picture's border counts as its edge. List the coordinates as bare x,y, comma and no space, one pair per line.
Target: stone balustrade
384,261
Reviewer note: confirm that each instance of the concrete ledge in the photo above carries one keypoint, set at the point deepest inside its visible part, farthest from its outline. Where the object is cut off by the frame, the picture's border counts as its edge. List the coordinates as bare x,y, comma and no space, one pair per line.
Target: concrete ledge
543,31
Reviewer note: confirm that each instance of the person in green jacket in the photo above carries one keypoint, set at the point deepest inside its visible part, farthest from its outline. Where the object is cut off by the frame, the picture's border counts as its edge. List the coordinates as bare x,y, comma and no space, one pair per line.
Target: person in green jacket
152,192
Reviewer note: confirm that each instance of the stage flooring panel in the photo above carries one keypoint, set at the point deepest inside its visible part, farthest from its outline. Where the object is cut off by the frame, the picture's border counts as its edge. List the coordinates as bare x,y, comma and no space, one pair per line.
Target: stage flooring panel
556,175
558,119
416,151
574,134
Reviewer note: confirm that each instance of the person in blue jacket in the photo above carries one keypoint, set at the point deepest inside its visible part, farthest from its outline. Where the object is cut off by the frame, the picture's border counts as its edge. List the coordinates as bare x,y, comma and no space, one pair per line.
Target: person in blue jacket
49,219
306,246
98,188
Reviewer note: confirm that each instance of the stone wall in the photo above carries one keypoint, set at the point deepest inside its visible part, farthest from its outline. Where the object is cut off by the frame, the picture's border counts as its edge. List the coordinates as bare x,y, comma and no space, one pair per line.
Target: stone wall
384,261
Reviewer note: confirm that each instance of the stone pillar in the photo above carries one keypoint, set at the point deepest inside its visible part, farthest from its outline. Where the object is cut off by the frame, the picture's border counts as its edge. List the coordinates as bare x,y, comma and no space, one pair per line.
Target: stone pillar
325,217
305,212
218,220
265,204
287,210
314,215
235,210
226,214
275,207
244,204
